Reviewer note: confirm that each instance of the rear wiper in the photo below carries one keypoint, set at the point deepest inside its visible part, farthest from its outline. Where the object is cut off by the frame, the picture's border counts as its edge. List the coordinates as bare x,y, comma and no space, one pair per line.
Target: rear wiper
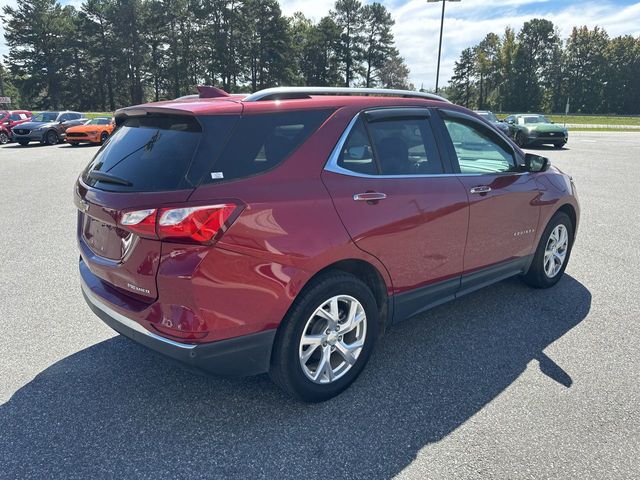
108,178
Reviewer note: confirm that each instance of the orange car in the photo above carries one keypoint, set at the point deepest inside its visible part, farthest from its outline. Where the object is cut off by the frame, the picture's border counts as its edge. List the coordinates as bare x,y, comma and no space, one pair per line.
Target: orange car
96,130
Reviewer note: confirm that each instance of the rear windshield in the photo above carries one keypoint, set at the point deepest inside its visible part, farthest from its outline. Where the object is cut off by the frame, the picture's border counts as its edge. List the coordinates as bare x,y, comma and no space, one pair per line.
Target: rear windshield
150,153
161,152
261,142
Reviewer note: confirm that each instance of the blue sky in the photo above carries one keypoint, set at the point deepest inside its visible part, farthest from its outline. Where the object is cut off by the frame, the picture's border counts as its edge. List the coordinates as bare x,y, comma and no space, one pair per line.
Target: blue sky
467,22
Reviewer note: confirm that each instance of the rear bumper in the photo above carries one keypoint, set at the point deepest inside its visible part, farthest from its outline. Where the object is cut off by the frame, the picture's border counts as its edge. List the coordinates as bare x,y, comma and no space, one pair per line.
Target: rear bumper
240,356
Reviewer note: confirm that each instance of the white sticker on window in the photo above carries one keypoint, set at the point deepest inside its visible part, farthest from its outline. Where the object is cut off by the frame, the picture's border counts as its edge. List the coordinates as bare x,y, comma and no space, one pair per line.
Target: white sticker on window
217,175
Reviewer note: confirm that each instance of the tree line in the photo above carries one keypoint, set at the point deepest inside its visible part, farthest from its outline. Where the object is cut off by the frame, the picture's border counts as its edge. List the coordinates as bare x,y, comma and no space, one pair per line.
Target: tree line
535,70
111,53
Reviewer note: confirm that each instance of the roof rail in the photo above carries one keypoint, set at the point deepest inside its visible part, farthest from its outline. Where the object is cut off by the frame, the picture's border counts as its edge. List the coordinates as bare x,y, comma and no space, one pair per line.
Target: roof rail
281,93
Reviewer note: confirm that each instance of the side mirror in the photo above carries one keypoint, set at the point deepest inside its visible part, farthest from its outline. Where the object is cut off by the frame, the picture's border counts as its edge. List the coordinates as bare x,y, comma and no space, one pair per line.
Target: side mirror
536,163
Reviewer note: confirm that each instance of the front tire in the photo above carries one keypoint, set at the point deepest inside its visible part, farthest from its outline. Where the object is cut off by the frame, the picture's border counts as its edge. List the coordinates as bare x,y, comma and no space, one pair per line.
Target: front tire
4,138
521,141
326,339
24,143
103,137
552,254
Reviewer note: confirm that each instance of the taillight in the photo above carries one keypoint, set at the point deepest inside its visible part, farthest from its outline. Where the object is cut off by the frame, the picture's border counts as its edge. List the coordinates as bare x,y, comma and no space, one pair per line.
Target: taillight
198,224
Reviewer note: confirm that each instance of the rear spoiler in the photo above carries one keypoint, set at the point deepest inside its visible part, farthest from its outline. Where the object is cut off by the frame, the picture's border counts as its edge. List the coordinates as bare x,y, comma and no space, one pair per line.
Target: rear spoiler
143,110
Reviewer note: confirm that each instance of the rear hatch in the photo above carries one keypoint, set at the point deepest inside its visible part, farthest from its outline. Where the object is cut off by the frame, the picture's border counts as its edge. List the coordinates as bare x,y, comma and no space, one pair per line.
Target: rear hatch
155,158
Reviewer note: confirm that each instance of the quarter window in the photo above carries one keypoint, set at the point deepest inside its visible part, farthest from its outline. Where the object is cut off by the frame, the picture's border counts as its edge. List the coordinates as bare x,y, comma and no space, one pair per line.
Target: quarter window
357,154
478,149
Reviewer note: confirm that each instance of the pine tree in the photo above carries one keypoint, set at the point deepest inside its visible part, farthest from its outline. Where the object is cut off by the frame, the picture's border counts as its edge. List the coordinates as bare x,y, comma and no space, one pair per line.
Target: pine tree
462,86
378,41
348,18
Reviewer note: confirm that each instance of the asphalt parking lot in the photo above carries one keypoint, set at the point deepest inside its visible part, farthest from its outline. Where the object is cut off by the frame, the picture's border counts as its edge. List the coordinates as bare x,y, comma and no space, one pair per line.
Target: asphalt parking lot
508,382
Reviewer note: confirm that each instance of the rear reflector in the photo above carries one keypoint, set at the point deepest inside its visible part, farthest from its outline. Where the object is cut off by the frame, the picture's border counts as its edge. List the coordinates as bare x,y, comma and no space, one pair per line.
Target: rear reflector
199,224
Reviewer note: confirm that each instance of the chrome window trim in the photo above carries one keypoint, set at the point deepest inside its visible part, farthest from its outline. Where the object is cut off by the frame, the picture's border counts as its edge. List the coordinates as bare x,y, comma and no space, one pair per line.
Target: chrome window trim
332,163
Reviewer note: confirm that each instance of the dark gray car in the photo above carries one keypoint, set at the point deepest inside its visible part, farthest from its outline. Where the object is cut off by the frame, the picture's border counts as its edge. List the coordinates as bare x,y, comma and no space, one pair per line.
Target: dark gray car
491,118
47,127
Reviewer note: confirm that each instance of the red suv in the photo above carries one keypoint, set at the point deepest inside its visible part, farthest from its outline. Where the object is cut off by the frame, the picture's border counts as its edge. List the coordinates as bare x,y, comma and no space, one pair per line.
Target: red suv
285,230
8,120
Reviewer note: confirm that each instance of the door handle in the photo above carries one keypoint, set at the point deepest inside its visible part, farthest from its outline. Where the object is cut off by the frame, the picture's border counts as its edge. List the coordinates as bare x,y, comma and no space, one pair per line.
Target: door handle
369,196
481,189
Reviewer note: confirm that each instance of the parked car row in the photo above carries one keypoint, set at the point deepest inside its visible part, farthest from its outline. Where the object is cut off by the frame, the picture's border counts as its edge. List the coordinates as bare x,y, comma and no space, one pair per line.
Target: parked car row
53,127
529,129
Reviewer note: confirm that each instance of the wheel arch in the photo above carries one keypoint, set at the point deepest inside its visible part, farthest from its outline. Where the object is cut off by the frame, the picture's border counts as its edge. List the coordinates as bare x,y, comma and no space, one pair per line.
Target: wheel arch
573,216
370,275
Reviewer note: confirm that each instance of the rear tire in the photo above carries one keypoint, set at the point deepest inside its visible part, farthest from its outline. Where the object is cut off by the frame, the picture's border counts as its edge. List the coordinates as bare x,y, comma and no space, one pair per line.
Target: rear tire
553,252
311,345
558,145
51,138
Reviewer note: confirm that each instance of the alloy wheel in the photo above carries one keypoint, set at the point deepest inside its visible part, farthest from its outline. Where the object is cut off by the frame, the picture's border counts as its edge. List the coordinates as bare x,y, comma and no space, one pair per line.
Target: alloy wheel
4,138
333,339
555,251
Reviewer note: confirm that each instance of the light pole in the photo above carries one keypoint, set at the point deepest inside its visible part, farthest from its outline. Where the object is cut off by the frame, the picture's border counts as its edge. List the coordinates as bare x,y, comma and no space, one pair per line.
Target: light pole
441,28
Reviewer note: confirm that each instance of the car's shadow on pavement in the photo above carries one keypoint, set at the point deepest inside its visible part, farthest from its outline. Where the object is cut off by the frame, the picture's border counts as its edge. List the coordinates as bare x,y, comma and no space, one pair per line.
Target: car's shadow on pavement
117,410
28,145
545,147
80,145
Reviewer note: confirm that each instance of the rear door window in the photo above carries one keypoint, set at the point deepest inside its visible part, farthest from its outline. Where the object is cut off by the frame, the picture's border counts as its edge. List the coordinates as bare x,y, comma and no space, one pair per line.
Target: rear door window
261,142
151,153
391,146
405,147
